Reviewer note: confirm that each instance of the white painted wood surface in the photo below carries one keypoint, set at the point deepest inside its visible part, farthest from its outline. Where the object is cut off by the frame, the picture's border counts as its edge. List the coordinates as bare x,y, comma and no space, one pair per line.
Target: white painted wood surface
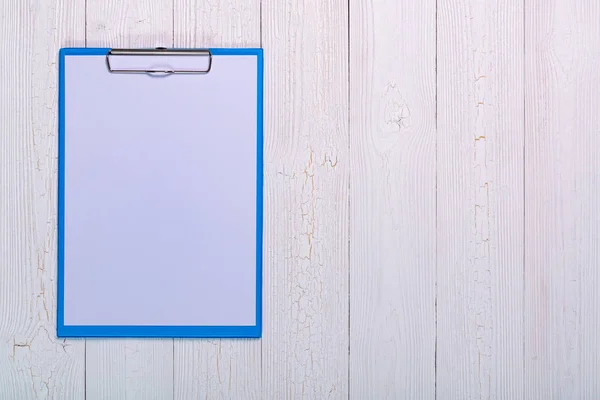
392,199
33,362
480,199
305,289
562,188
431,201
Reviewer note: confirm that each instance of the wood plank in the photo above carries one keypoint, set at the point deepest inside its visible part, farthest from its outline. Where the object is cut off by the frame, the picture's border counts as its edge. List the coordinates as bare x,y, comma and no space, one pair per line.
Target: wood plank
34,364
305,335
480,199
217,369
130,369
392,214
225,23
562,191
129,23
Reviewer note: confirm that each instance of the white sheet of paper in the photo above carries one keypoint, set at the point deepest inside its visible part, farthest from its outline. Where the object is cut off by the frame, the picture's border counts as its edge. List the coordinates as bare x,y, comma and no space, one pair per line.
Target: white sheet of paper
160,195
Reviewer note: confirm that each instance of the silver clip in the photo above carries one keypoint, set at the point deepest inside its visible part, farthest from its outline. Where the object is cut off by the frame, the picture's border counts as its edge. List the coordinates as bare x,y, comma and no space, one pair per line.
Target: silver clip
159,51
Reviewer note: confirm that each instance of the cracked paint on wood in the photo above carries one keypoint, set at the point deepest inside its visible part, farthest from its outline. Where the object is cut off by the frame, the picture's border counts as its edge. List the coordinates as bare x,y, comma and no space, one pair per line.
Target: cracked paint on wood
480,201
305,334
34,364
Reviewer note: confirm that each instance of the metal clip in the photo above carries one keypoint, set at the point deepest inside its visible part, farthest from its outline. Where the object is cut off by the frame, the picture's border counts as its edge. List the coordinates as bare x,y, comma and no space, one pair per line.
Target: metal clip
159,51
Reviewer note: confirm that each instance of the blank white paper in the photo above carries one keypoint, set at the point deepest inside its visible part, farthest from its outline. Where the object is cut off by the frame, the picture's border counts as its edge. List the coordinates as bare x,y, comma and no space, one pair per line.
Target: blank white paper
160,195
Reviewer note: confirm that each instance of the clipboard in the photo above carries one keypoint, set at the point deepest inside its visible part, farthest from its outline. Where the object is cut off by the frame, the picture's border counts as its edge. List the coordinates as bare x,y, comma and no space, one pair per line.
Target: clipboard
160,192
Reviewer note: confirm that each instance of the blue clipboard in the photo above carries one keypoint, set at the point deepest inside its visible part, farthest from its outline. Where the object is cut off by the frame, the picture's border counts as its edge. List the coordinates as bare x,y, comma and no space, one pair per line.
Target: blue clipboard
174,260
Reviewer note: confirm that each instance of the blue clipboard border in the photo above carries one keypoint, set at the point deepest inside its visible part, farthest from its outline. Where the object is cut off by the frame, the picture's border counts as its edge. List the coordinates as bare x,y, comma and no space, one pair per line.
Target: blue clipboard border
63,330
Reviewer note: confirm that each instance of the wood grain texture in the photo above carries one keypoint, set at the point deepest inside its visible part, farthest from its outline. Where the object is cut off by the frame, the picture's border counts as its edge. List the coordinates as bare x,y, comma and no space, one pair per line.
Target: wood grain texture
480,199
562,191
305,333
224,23
34,364
129,23
217,369
227,368
129,369
392,204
